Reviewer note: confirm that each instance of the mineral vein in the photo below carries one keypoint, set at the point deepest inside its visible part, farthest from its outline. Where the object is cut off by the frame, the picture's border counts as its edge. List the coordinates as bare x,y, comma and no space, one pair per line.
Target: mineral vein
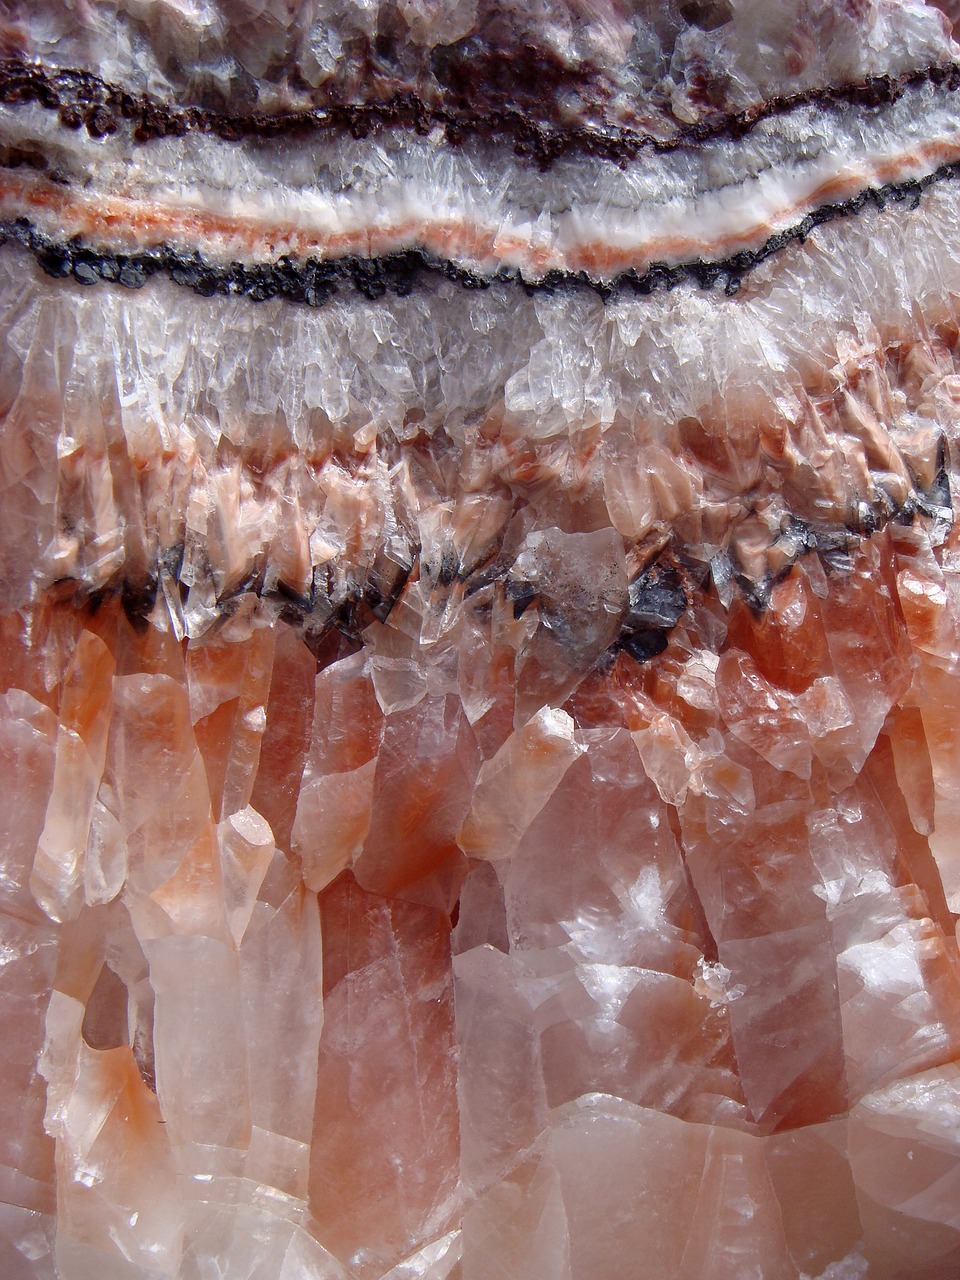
83,99
314,281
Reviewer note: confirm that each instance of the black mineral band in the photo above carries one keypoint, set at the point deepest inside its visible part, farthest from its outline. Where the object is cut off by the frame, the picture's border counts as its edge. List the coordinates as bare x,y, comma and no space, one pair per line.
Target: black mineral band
471,105
314,281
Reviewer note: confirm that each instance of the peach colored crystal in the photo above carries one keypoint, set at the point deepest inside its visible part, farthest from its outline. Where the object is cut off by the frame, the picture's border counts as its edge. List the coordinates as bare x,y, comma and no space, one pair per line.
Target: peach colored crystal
479,741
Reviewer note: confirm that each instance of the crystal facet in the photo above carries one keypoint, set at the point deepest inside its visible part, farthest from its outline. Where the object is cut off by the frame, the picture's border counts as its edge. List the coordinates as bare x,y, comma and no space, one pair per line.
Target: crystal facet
479,640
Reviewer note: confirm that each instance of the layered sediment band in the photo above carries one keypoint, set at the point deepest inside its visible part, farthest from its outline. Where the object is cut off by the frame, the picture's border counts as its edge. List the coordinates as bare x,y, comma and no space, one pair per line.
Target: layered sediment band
307,276
234,464
538,73
218,213
83,99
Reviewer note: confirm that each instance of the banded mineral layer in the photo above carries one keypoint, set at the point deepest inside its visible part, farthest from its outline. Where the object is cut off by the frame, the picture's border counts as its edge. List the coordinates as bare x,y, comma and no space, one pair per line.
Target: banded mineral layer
479,640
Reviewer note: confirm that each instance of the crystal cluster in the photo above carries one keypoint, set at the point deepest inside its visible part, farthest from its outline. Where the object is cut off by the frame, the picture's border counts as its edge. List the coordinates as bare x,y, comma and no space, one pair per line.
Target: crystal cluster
479,641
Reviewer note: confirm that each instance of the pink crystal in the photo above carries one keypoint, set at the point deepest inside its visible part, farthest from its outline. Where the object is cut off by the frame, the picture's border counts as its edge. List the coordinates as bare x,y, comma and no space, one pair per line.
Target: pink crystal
479,641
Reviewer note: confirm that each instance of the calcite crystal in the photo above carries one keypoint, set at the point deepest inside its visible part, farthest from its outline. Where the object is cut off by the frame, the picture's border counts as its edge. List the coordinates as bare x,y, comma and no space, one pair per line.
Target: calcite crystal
479,640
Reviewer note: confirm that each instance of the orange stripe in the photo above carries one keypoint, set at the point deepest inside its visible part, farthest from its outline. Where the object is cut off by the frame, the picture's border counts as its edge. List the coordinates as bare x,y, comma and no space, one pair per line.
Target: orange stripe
126,224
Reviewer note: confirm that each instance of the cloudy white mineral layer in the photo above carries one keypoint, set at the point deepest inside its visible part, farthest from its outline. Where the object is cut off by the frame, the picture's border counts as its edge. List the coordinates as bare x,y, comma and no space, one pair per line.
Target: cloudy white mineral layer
479,641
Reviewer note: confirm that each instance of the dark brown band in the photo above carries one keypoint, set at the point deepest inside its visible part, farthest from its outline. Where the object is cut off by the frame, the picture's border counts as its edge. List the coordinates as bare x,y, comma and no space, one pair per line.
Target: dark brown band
519,106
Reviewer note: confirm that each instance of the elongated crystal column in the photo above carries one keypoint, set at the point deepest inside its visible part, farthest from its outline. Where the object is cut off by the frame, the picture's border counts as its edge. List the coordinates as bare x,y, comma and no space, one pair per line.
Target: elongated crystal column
479,641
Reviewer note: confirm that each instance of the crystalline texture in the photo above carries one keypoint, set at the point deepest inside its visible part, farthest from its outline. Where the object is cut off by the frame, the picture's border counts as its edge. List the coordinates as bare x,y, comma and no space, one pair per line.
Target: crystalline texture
479,641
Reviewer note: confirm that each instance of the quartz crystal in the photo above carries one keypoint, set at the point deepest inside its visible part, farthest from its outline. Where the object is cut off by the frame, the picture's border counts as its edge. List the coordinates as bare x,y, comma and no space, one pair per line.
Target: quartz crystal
479,640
